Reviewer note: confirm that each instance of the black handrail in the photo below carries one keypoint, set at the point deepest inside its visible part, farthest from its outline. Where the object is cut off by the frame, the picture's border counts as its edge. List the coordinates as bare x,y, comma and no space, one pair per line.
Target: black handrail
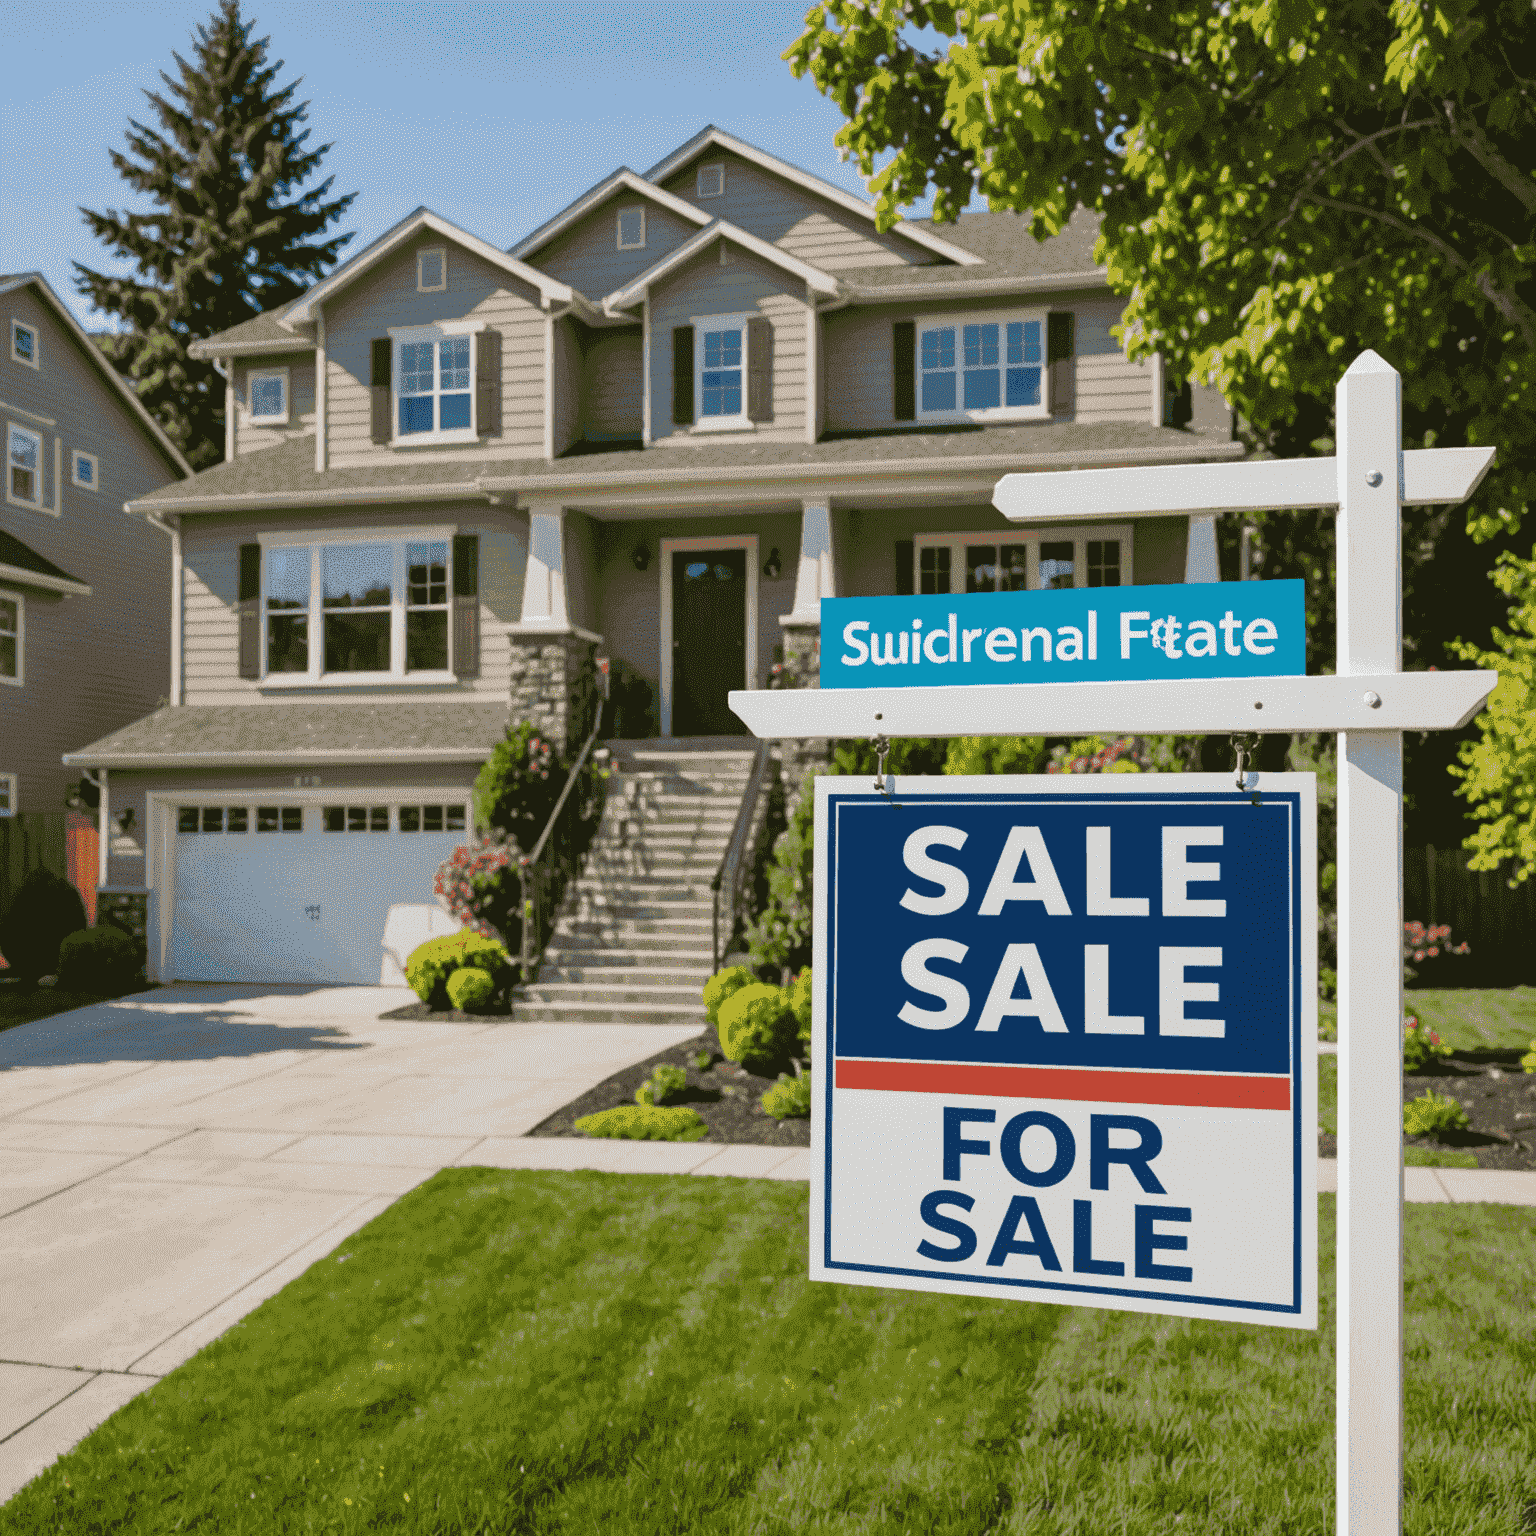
728,876
528,860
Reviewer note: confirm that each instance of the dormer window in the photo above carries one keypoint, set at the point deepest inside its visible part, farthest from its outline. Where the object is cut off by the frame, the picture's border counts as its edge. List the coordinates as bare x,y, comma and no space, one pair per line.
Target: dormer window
269,397
711,180
632,229
24,345
432,269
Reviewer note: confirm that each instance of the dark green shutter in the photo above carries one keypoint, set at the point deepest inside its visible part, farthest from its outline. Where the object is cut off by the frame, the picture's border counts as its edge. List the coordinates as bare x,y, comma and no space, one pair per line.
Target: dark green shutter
760,370
488,384
904,370
379,382
248,610
682,375
466,605
1060,347
903,567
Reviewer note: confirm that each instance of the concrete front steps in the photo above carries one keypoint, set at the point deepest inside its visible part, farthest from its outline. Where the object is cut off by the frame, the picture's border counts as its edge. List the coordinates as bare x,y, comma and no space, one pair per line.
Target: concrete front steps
634,940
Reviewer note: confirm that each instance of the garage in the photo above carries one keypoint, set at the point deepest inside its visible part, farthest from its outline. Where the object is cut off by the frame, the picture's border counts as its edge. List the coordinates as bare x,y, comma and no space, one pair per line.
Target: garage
286,892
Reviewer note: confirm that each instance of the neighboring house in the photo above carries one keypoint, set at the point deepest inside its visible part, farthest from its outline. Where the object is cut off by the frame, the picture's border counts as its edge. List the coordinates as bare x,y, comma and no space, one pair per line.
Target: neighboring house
85,616
662,427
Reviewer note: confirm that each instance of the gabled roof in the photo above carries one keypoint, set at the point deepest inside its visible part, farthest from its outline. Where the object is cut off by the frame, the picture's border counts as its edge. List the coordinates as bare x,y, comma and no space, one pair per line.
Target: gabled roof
259,334
23,565
717,229
714,138
99,358
622,180
304,309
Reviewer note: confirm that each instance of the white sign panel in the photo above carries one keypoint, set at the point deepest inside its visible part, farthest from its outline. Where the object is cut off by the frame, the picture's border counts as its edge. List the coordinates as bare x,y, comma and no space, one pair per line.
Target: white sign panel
1065,1041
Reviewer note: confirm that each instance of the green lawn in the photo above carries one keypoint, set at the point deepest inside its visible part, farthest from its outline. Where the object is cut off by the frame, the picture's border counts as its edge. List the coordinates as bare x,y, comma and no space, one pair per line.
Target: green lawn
1478,1019
546,1352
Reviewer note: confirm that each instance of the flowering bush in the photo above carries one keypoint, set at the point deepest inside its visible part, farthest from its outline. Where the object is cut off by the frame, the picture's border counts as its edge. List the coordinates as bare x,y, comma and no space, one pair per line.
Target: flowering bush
1421,943
478,885
1421,1045
516,790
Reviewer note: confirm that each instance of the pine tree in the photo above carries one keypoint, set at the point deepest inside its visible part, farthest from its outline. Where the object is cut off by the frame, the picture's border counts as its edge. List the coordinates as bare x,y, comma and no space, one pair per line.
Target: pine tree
227,240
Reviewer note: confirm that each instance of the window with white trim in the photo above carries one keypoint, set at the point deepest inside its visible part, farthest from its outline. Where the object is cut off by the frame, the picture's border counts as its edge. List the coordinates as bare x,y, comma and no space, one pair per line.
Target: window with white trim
8,785
432,269
84,470
24,348
360,612
710,181
720,370
267,392
12,620
982,368
631,223
24,466
434,384
1022,560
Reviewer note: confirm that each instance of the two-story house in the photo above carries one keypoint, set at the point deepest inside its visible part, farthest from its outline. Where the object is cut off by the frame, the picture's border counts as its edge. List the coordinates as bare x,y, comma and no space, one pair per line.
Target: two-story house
85,614
662,427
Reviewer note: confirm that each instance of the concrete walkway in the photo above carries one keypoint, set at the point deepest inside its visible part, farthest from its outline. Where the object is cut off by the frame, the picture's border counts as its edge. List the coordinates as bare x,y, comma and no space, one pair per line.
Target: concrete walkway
170,1161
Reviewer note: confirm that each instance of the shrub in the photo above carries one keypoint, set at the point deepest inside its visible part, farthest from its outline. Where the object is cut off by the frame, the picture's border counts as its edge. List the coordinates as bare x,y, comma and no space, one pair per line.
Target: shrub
101,959
756,1024
1433,1114
44,912
431,964
800,1006
789,1098
663,1084
780,935
722,985
478,886
1421,1045
517,788
470,989
643,1122
1528,1061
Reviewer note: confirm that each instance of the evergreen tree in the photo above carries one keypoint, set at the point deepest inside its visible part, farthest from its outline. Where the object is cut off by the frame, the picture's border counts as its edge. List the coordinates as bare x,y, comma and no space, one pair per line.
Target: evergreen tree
227,240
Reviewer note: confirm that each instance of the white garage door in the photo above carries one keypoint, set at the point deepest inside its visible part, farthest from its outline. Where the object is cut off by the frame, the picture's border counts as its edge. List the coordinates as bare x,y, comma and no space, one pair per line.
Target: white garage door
300,893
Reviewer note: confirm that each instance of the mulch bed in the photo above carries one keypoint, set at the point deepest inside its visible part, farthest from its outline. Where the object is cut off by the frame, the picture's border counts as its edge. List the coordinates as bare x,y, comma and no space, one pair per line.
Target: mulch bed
1500,1101
423,1014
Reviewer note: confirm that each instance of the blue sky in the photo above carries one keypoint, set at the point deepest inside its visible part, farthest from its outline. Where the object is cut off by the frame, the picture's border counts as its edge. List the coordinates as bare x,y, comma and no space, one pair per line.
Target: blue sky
494,115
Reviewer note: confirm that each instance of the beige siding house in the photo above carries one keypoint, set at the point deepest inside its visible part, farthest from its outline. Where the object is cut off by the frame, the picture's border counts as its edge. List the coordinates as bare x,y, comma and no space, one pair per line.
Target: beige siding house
658,430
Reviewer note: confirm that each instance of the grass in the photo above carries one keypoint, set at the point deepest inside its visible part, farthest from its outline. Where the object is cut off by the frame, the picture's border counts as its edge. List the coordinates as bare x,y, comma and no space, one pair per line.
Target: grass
1478,1018
1437,1157
18,1006
547,1352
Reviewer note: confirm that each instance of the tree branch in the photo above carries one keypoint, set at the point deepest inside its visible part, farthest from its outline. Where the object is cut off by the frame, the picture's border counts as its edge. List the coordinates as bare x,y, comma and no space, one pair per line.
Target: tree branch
1476,142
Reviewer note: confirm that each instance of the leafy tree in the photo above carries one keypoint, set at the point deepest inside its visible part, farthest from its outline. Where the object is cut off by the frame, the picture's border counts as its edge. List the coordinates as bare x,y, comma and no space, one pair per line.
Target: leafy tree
227,239
1498,771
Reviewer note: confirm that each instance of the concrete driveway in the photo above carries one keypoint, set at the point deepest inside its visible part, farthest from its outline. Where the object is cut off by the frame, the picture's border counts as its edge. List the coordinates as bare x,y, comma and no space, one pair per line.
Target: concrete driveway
170,1160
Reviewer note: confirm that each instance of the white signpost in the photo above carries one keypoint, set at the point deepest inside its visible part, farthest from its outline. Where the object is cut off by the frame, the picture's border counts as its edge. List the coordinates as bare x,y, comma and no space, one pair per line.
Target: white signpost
1370,702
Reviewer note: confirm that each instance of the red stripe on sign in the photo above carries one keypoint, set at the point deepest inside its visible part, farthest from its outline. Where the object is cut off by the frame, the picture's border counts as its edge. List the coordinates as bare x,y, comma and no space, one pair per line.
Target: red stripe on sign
1218,1090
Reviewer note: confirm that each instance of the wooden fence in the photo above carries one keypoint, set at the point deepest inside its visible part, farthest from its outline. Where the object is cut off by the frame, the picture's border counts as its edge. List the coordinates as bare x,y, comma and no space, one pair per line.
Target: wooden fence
1499,923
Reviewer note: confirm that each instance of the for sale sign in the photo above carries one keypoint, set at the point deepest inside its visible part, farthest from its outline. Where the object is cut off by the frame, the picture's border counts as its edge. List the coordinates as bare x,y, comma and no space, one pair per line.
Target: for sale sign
1065,1041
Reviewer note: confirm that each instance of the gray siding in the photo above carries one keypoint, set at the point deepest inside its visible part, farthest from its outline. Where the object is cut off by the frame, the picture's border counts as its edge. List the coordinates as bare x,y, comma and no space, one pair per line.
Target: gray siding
802,222
744,285
249,438
565,397
587,255
211,581
91,664
387,296
1110,387
612,383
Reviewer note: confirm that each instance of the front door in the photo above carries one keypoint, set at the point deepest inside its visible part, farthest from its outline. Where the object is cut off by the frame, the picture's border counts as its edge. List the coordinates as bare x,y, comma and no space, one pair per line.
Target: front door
709,640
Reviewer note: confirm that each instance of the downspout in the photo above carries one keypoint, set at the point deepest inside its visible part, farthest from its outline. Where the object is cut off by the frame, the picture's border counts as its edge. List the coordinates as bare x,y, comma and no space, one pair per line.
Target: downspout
228,376
173,528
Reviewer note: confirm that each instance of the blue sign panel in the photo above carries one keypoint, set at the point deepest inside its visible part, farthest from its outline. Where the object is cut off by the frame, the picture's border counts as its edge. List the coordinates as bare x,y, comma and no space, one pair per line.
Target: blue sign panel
1045,1000
1086,634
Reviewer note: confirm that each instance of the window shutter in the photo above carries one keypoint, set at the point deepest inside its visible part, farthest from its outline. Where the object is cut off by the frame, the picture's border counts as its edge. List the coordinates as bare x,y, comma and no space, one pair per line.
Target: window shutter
466,605
904,370
903,567
488,384
379,382
760,370
1060,345
248,610
682,375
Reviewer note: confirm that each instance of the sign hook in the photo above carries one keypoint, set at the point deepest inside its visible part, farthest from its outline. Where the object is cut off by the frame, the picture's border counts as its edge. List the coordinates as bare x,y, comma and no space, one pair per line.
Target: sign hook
1245,744
882,746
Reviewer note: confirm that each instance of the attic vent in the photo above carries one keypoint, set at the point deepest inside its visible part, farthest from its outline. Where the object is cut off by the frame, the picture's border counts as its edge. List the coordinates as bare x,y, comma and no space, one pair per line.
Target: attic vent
711,181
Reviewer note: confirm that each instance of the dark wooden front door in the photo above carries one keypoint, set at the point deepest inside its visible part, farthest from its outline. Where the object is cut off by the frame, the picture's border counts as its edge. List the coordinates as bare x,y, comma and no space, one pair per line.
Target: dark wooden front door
709,640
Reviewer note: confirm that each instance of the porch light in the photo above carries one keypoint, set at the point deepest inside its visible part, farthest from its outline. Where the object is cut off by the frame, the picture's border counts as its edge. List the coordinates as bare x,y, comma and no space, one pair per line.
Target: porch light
772,565
641,555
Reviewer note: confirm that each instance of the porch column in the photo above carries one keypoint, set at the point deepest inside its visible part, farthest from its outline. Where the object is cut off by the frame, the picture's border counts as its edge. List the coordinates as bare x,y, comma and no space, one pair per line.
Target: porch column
1200,561
553,673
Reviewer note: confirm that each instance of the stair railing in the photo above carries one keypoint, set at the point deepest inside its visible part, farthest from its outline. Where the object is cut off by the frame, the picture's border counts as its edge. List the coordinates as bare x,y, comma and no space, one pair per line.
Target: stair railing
533,875
727,883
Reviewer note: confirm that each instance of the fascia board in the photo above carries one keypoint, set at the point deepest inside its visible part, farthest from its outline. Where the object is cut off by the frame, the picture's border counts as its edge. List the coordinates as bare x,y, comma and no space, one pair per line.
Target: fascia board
713,137
255,501
211,347
281,759
304,309
113,377
966,287
635,290
594,198
20,576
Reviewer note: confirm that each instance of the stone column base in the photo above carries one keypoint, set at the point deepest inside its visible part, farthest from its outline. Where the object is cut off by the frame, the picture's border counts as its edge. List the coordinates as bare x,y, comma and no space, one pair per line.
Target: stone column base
554,681
127,910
